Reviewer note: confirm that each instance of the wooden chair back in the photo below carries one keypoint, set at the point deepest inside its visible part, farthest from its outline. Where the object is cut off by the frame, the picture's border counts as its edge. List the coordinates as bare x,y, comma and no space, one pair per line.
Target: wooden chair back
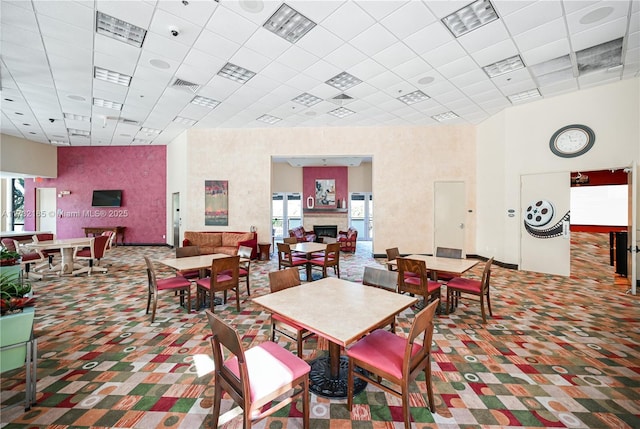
290,240
448,252
284,279
383,279
151,276
393,253
244,252
414,268
222,268
486,276
422,324
186,251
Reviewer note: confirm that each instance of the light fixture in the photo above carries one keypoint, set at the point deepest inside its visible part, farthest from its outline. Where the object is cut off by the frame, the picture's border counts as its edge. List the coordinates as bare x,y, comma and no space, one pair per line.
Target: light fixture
73,132
289,24
204,101
63,193
343,81
150,131
307,99
341,112
524,95
184,121
236,73
111,76
268,119
413,97
444,116
74,117
59,143
504,66
141,141
119,29
99,102
470,17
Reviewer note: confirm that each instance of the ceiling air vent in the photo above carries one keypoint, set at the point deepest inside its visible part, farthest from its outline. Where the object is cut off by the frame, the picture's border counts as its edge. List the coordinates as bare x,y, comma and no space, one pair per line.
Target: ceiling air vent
129,121
341,99
179,83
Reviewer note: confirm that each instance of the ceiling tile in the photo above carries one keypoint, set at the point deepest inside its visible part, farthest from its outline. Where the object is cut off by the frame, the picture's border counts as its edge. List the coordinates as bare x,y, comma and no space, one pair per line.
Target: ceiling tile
444,54
487,35
297,58
373,40
344,57
538,13
74,13
348,21
196,12
134,12
267,43
408,19
430,37
541,35
397,53
232,26
215,45
606,32
319,42
546,52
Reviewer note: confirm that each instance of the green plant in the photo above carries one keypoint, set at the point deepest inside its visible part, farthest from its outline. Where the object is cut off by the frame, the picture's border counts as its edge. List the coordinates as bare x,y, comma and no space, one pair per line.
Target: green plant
13,291
8,254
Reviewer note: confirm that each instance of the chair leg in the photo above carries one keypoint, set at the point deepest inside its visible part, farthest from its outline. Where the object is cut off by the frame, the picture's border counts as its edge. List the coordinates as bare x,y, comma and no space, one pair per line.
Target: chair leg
306,404
148,303
217,399
273,332
299,343
427,377
484,316
489,304
155,305
350,385
237,298
248,289
406,411
189,300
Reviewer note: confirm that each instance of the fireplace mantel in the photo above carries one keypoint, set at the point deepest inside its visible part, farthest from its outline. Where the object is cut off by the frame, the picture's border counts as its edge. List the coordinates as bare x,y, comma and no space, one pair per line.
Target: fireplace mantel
339,217
309,211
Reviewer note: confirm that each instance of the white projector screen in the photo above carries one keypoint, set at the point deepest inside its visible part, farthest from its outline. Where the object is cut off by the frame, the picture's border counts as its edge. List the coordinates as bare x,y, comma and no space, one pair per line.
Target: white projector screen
599,205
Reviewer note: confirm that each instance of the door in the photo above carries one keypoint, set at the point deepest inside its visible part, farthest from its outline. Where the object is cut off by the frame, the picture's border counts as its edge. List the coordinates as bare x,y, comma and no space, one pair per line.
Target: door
449,215
46,209
545,244
176,221
632,231
361,214
286,213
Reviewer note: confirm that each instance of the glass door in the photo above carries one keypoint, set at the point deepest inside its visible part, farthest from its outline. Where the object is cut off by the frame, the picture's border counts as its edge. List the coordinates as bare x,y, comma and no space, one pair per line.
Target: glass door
286,213
361,214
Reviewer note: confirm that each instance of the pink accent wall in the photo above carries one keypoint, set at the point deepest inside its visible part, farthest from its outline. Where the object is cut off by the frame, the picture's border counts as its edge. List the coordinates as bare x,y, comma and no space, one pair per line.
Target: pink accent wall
139,171
310,174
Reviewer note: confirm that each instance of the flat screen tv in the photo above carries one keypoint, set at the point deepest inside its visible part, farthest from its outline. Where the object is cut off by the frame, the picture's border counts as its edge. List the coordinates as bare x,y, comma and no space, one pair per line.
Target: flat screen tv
108,198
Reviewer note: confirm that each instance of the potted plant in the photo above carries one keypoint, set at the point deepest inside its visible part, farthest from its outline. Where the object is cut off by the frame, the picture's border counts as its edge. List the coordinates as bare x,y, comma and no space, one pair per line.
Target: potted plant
14,293
9,257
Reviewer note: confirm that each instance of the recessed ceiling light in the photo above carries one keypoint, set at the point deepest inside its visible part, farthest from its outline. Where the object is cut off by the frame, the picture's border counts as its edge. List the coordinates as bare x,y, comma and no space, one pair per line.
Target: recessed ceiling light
444,116
204,101
413,97
184,121
289,24
307,99
141,141
268,119
150,131
236,73
78,133
596,15
119,29
99,102
343,81
470,17
74,117
525,95
159,63
426,80
341,112
252,6
504,66
59,143
111,76
76,98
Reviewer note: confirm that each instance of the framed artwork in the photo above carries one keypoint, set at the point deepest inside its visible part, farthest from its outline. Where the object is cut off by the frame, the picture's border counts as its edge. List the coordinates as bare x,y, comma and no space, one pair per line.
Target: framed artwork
216,202
325,193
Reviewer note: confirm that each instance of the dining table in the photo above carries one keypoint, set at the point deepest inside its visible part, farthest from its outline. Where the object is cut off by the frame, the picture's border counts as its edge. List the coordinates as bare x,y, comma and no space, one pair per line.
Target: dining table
436,264
308,248
67,247
340,311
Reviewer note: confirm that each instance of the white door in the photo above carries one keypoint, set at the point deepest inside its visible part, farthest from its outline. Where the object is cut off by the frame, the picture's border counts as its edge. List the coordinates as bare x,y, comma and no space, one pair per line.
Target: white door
46,209
545,241
632,231
176,221
450,215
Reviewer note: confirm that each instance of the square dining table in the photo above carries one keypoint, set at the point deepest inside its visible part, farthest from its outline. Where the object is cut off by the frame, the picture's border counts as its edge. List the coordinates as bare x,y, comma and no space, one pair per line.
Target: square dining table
309,248
67,246
340,311
435,264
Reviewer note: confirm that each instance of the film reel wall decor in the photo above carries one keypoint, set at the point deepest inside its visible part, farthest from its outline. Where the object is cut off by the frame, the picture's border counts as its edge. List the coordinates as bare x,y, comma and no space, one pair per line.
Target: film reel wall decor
538,215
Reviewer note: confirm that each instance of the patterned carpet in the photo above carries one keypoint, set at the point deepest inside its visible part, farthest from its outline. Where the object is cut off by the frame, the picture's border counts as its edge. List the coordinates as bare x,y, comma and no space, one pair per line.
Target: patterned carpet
558,352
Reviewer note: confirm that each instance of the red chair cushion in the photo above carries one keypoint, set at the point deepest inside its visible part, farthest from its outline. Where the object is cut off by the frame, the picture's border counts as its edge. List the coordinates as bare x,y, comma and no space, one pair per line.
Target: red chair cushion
172,283
383,350
206,282
464,284
190,274
320,261
414,280
26,257
84,253
270,367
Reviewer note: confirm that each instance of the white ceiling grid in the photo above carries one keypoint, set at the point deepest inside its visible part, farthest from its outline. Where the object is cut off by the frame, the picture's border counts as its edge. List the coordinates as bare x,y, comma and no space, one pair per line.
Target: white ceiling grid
49,50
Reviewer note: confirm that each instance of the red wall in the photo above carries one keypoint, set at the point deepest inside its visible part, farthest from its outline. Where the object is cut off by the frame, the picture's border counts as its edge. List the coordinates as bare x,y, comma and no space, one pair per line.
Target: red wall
310,174
139,171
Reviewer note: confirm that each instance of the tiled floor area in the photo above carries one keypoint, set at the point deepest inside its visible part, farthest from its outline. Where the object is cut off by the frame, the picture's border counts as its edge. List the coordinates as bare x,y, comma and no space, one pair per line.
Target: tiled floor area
559,352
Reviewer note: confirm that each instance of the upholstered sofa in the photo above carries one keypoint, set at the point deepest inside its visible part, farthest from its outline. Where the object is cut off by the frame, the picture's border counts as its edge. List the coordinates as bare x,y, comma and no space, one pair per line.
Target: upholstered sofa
348,239
221,242
301,235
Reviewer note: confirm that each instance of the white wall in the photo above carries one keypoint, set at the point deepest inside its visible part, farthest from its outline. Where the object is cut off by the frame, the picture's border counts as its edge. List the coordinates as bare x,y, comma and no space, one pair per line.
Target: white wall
516,142
22,157
177,173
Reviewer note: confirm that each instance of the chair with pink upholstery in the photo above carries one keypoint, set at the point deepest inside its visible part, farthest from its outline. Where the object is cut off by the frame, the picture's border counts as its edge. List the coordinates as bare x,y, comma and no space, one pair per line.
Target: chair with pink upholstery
347,239
27,258
93,254
258,378
301,235
177,283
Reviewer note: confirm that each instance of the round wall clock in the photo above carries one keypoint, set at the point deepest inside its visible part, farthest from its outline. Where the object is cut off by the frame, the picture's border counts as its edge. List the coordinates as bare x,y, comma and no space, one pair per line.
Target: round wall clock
572,140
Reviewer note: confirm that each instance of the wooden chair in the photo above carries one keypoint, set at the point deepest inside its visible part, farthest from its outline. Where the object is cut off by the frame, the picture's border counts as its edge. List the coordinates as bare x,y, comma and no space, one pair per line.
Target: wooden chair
223,277
383,279
92,254
279,280
286,258
480,288
256,377
413,278
392,254
398,360
447,252
185,252
331,258
171,283
291,241
245,267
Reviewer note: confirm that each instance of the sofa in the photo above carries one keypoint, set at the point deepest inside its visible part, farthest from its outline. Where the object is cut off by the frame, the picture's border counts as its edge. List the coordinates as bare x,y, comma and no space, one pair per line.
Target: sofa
221,242
348,239
301,235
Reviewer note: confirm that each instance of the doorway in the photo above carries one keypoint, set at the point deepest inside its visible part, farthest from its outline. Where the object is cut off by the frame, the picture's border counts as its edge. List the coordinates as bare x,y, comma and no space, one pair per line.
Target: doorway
46,209
176,220
361,214
450,215
286,213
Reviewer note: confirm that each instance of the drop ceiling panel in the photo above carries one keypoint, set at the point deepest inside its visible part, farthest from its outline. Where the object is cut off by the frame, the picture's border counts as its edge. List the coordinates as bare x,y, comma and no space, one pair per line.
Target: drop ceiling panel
538,36
232,26
408,19
116,48
487,35
444,54
496,52
134,12
297,58
168,48
373,40
344,57
429,38
546,52
348,21
538,13
609,31
409,69
196,12
74,13
395,54
14,14
216,45
59,30
319,41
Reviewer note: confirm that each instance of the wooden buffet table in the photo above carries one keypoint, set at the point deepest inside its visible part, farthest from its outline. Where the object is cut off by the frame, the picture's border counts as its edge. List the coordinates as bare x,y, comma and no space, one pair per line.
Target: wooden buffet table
97,230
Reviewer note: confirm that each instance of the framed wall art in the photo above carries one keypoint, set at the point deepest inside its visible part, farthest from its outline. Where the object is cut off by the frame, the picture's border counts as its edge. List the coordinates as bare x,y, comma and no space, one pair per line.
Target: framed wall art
216,202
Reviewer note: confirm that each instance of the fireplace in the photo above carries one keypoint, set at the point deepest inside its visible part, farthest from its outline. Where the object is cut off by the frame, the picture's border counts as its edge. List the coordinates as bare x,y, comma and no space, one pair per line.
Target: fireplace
325,231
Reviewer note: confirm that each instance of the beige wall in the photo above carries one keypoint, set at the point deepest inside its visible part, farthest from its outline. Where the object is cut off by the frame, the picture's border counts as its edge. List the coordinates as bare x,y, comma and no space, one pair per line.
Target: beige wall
177,175
285,178
360,178
20,157
406,163
516,142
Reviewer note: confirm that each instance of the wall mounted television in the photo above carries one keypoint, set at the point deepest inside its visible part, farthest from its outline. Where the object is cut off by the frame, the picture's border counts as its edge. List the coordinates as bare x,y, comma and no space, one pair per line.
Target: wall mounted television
107,198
